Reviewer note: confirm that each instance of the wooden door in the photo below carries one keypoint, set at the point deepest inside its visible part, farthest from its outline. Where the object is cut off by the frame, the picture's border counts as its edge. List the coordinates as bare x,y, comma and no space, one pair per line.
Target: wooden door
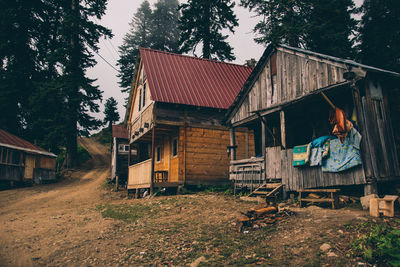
29,166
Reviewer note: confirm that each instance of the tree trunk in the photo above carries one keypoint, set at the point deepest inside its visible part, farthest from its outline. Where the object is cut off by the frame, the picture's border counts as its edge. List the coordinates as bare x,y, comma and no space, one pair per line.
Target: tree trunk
206,40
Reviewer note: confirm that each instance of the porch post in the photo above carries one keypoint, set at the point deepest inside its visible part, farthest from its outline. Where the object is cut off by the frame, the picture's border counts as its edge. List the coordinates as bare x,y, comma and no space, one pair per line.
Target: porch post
263,145
153,149
233,143
283,129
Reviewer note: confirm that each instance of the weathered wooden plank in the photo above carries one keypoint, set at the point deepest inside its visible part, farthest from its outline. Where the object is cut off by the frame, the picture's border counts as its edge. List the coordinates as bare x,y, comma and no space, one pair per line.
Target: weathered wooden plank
267,92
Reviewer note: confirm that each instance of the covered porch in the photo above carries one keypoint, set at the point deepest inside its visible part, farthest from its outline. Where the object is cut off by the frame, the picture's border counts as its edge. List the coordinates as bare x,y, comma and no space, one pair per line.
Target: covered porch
155,165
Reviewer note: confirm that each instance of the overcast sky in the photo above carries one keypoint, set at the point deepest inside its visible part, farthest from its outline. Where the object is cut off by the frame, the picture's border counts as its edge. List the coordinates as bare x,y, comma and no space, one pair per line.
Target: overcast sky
118,15
120,12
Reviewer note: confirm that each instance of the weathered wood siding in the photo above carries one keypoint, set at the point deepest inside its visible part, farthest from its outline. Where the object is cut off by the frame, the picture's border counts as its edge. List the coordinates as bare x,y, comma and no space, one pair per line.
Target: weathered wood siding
294,178
47,163
207,160
11,172
297,75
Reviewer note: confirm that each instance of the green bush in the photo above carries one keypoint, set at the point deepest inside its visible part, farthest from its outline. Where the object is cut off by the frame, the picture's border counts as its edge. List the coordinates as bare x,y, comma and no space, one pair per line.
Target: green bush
82,154
381,244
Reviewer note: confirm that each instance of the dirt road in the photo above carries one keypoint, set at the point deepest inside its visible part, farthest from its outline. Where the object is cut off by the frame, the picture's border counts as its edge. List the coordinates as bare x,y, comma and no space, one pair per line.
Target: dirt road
77,222
37,222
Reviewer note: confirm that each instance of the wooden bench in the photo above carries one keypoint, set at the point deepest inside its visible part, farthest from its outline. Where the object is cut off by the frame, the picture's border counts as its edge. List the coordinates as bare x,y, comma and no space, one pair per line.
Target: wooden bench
334,198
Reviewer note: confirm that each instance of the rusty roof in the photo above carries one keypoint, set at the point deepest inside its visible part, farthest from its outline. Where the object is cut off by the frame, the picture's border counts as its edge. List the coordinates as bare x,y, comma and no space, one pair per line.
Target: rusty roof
182,79
11,141
119,131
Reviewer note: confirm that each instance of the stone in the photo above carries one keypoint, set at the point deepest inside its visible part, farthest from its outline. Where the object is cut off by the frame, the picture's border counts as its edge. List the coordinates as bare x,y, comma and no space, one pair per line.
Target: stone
198,261
331,254
365,200
340,232
325,247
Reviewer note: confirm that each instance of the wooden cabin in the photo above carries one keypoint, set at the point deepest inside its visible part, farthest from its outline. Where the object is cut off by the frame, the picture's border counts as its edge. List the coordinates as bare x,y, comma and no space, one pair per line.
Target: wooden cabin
21,161
285,101
119,153
175,112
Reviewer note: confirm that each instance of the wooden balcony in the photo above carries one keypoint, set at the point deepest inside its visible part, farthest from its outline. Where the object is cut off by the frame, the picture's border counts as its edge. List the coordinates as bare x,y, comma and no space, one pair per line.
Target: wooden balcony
142,123
140,175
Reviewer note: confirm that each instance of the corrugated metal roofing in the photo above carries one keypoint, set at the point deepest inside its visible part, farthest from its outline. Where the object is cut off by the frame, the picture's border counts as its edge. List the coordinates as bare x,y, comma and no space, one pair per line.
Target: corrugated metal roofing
9,140
119,131
182,79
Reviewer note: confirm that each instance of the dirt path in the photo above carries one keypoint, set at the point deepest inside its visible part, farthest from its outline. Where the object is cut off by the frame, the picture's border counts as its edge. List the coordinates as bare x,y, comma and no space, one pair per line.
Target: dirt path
61,224
38,221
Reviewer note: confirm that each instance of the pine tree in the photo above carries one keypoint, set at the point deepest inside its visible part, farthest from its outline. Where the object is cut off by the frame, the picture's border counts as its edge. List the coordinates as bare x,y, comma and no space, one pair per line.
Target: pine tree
111,112
165,31
202,22
330,27
138,35
380,34
318,25
282,21
77,32
19,70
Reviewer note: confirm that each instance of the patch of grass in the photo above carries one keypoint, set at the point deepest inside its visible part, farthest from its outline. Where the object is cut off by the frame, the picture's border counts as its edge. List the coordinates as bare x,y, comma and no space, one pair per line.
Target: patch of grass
378,243
82,154
125,212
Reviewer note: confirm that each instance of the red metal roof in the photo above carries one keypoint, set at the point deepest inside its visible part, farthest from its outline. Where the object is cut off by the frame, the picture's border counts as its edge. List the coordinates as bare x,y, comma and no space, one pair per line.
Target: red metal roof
181,79
15,142
119,131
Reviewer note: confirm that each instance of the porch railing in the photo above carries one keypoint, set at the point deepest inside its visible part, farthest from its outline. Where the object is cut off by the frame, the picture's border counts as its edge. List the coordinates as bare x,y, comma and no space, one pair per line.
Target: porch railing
140,175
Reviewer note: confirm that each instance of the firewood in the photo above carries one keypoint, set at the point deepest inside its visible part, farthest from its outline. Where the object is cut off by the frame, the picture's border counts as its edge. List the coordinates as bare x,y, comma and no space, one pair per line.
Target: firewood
263,211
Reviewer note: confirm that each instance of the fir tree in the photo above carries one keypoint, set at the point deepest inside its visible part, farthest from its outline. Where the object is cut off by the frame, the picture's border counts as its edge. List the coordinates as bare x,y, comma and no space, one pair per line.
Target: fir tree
138,35
380,34
77,32
318,25
202,22
165,31
110,112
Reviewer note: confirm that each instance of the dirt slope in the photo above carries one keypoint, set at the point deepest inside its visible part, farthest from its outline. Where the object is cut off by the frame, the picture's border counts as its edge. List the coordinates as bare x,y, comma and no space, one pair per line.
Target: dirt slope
38,221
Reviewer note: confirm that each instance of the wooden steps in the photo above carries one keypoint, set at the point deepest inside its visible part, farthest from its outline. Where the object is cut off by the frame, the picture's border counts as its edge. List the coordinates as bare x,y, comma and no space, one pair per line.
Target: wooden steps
265,190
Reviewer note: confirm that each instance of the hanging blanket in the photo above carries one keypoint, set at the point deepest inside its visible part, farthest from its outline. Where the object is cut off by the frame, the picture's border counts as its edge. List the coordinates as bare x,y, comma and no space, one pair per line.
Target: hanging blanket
301,154
342,156
319,153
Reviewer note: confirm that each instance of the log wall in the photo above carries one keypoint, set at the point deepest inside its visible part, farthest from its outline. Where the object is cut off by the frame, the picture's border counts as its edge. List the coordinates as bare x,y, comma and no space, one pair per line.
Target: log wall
207,160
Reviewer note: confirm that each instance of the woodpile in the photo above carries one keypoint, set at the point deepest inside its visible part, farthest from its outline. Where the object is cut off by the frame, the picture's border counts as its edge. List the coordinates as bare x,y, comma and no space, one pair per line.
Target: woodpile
261,216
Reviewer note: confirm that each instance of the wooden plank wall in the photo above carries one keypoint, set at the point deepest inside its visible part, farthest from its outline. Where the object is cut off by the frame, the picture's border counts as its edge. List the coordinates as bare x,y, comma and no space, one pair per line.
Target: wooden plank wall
273,163
297,75
207,160
296,178
140,175
47,163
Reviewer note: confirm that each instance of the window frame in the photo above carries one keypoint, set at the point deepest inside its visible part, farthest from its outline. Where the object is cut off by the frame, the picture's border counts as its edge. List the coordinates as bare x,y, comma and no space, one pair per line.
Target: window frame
174,153
158,154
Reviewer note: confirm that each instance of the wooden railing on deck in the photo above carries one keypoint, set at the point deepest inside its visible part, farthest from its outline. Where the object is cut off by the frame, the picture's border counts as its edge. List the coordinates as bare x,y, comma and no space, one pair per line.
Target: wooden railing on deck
140,175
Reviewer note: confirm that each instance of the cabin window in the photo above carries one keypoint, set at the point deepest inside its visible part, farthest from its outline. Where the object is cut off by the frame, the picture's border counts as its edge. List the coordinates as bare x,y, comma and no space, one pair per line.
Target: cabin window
140,98
158,154
126,148
121,147
144,94
15,156
175,147
4,155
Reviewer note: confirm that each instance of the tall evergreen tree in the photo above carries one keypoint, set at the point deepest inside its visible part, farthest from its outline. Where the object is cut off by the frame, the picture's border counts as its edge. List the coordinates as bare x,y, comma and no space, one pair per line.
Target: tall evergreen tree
165,32
18,70
322,26
380,34
331,27
202,22
110,112
78,32
138,35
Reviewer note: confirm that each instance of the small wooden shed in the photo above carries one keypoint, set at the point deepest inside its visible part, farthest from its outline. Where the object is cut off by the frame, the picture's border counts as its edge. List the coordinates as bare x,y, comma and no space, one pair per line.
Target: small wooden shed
22,161
119,153
282,103
176,108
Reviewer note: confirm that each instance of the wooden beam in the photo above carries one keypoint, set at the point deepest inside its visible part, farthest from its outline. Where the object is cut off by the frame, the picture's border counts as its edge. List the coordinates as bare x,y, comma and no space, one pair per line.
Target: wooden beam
153,149
263,144
283,129
233,143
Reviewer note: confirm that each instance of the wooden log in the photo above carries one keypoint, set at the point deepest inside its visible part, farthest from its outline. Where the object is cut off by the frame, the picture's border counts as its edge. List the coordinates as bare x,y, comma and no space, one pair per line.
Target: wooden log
264,211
